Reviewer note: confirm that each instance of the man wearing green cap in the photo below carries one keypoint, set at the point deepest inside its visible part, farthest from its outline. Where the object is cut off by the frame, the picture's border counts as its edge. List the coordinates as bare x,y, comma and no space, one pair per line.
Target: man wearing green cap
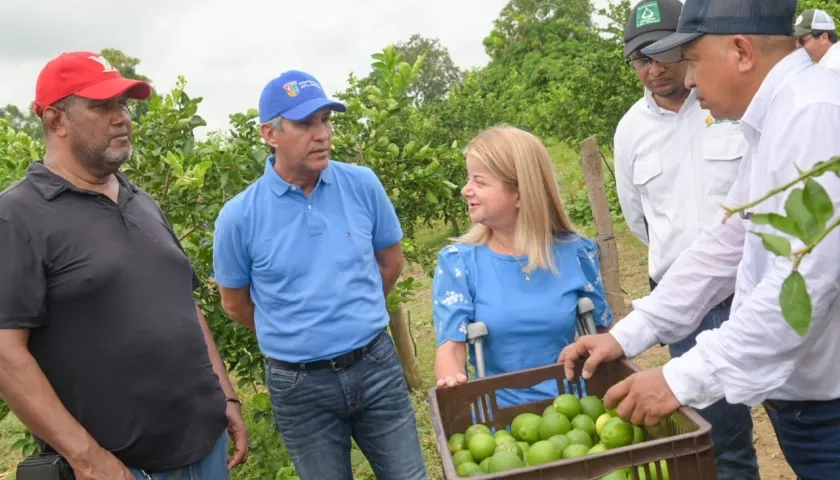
816,32
674,165
743,64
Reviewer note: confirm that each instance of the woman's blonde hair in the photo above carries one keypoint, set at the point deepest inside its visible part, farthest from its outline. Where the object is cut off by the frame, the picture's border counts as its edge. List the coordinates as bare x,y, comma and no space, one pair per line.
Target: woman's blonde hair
522,162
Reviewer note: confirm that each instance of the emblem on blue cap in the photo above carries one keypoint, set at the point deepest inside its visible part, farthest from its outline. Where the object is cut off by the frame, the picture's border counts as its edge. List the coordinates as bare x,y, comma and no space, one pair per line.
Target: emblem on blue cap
292,89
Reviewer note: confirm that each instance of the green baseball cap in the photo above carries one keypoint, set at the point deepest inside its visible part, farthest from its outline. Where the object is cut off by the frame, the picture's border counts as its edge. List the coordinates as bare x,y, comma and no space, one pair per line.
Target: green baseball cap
813,20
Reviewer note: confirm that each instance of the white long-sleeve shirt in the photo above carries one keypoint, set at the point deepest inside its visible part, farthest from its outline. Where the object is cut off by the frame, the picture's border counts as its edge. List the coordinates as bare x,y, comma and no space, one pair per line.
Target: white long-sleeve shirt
831,59
793,121
673,169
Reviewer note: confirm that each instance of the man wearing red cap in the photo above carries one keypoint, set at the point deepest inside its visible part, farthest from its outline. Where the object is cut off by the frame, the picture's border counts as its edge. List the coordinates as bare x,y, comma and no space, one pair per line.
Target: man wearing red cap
104,354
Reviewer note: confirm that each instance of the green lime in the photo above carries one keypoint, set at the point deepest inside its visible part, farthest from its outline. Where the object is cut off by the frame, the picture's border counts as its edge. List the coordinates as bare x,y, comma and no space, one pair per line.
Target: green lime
543,452
549,410
568,405
502,461
482,445
509,447
601,421
562,441
638,434
462,456
598,448
468,469
580,437
575,450
526,427
623,474
456,442
474,429
592,407
654,475
523,447
617,434
585,423
502,433
502,439
555,424
485,464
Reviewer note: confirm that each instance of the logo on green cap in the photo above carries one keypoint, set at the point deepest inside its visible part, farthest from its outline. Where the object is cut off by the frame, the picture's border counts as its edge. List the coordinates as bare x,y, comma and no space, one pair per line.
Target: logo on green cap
648,13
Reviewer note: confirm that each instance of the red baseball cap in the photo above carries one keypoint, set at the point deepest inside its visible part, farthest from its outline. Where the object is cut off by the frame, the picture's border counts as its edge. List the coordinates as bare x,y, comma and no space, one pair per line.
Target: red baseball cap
86,74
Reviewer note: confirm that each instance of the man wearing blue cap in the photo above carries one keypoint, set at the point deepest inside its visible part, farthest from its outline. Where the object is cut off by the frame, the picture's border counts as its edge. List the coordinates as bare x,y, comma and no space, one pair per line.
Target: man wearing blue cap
305,257
743,63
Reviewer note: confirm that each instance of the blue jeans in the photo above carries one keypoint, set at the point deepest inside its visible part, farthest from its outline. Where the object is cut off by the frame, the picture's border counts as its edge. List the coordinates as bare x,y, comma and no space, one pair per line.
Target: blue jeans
317,412
809,437
732,425
211,467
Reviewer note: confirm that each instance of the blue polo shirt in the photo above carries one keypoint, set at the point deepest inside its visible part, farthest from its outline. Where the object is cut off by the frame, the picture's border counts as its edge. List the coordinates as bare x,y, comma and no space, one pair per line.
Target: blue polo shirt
310,262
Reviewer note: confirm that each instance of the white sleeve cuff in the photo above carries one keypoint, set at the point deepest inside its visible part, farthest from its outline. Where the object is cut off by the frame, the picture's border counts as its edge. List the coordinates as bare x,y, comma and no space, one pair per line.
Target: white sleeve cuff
691,381
633,334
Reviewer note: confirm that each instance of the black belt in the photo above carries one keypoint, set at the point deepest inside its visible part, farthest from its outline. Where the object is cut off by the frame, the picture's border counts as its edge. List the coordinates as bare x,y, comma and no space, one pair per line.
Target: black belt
796,405
335,364
727,302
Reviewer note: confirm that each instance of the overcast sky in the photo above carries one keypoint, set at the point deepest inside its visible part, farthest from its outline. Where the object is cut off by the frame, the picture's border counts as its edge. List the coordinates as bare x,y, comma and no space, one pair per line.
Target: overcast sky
227,50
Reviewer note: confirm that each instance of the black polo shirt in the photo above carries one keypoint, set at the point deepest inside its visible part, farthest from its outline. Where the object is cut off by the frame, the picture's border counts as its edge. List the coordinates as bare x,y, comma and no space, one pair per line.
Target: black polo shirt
107,293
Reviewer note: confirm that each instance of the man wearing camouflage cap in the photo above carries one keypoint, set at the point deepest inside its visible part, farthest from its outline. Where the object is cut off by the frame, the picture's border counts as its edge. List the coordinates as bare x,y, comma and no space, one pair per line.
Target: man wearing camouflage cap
744,65
816,32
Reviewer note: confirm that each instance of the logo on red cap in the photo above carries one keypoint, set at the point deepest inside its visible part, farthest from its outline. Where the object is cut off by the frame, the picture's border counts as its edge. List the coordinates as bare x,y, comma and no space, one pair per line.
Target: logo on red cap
87,75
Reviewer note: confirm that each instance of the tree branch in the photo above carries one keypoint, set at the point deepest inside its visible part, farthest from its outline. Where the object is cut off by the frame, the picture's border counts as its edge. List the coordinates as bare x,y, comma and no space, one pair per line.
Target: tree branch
817,171
798,256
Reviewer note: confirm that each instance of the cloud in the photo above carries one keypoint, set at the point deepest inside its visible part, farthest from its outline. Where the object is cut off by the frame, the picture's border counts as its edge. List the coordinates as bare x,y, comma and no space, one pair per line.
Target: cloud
227,50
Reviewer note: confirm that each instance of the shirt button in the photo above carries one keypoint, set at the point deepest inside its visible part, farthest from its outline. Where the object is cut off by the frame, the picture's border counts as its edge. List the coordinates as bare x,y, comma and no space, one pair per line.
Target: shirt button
309,207
294,189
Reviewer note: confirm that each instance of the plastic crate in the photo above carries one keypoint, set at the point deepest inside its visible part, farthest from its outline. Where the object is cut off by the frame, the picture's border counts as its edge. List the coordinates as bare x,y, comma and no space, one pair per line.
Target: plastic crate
684,440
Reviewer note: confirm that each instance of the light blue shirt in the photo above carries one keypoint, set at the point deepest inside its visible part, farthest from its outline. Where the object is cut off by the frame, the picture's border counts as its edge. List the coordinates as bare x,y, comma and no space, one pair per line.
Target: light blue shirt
528,322
310,262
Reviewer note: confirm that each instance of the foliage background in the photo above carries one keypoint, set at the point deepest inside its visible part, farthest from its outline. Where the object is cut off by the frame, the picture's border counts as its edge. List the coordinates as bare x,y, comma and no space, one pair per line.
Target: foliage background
553,71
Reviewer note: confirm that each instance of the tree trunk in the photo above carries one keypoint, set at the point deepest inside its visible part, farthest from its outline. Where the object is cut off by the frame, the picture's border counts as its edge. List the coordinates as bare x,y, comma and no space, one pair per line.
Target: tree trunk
590,161
405,348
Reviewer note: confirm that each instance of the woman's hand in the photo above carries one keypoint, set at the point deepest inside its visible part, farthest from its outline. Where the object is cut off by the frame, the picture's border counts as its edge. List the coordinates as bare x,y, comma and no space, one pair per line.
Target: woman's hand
451,380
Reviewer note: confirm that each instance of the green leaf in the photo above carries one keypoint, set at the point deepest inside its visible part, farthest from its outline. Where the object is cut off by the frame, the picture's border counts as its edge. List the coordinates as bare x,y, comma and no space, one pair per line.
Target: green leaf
817,202
779,222
796,210
775,244
796,303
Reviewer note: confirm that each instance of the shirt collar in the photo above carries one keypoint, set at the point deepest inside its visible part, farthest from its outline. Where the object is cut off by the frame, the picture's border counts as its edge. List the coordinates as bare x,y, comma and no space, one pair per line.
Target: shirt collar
654,107
775,80
280,186
51,185
829,57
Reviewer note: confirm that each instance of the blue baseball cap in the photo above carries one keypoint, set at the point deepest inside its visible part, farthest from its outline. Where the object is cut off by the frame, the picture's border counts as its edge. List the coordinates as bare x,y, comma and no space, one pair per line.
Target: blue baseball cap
728,17
295,95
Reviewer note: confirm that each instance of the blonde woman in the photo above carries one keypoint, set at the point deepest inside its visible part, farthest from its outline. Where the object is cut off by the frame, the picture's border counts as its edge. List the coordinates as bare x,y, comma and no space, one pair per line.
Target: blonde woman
521,268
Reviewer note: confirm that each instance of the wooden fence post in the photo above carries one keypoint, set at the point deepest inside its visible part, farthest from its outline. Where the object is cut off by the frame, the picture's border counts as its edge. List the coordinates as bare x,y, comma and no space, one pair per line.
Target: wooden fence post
590,162
405,347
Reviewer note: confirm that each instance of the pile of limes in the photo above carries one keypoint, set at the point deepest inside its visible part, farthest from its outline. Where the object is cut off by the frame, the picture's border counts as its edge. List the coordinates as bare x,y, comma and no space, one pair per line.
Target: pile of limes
570,427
